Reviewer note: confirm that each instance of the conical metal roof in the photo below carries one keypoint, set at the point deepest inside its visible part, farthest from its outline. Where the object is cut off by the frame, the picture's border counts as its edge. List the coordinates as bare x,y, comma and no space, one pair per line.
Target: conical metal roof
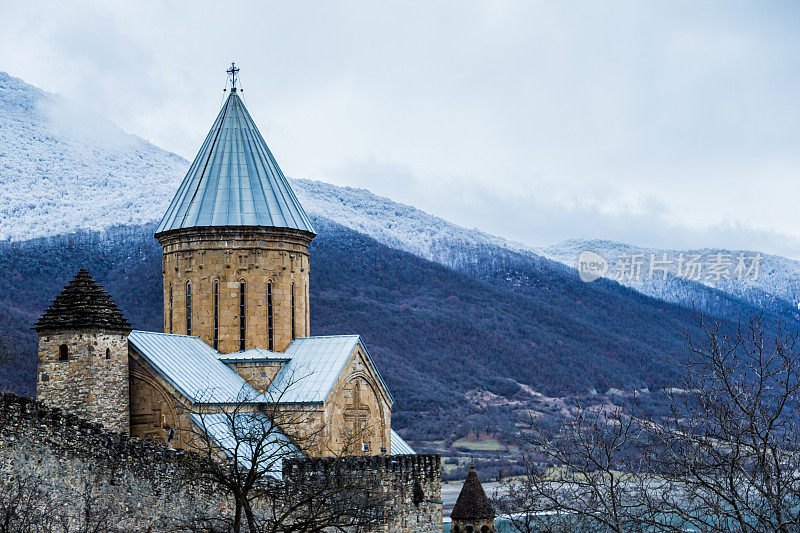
235,180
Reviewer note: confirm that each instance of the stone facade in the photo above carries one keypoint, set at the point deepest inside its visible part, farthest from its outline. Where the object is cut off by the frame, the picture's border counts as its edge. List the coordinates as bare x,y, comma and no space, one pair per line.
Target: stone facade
358,411
356,417
476,525
158,411
258,374
259,257
86,373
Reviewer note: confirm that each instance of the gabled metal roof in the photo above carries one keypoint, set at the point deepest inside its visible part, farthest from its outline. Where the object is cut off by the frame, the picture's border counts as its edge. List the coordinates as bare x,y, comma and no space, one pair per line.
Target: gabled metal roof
234,180
316,363
192,367
236,434
400,446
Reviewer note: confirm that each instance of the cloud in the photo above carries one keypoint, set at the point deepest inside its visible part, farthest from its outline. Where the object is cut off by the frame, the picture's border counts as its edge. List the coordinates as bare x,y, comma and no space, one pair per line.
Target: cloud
538,120
540,214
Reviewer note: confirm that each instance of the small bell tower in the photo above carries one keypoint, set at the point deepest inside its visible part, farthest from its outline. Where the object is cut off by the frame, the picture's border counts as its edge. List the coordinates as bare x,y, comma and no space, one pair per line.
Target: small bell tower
83,355
473,512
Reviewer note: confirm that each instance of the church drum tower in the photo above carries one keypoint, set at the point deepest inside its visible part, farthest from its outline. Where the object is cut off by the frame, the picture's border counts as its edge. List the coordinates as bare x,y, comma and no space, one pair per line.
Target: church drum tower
235,239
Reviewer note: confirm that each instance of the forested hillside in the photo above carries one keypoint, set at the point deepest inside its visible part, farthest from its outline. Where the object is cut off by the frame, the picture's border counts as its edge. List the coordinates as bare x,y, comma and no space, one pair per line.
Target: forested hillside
462,353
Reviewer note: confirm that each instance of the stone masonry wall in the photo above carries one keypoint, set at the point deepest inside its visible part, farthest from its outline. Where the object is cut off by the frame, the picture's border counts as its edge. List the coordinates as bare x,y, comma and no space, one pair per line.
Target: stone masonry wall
144,486
257,256
401,477
92,382
141,483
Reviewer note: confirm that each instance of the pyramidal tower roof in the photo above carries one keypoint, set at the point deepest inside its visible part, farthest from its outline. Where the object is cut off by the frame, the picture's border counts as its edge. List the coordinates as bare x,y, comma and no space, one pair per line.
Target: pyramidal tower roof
472,503
83,304
234,180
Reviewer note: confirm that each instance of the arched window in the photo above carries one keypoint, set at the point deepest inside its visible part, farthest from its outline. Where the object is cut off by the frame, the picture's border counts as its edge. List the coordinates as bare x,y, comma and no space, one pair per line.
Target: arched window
270,323
108,353
294,336
63,353
215,304
468,529
242,319
484,529
455,529
188,308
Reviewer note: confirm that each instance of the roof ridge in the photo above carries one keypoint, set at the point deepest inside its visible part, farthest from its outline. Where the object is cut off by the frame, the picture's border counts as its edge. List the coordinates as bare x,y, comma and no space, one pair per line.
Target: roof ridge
166,334
328,336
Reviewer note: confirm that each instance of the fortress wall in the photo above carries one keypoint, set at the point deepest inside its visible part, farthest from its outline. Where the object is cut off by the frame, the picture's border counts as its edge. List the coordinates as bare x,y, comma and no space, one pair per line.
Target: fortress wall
133,484
140,485
410,484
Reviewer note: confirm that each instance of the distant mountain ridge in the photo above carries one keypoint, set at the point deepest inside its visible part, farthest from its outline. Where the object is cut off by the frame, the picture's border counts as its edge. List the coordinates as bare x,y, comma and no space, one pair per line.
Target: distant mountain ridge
774,285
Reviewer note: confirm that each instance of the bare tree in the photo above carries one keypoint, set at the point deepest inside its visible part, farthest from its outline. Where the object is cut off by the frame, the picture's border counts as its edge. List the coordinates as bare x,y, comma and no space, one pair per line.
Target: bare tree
721,456
582,475
243,447
23,505
729,443
29,505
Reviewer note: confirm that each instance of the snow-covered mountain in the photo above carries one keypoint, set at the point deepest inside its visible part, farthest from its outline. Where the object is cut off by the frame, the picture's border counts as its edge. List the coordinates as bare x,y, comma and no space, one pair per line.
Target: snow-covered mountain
398,225
681,276
64,168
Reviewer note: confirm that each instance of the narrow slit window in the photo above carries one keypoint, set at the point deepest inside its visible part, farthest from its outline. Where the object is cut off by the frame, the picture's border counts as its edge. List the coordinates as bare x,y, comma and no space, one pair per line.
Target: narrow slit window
170,307
294,336
188,308
270,324
63,353
216,315
108,353
242,319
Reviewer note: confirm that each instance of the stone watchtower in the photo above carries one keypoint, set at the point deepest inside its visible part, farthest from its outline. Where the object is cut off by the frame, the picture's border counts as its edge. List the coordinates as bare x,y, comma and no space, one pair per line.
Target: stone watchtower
235,238
472,513
83,355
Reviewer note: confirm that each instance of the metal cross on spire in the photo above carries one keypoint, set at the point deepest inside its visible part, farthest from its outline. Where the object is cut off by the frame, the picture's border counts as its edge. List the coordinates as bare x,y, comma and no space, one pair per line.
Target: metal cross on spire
233,72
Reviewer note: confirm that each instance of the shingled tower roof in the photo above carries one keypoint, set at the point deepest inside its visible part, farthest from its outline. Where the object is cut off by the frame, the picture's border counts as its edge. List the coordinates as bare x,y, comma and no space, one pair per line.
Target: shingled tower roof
83,304
234,180
472,503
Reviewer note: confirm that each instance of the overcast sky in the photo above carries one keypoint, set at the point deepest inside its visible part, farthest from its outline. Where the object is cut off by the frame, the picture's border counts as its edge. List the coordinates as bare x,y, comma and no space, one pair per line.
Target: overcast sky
672,124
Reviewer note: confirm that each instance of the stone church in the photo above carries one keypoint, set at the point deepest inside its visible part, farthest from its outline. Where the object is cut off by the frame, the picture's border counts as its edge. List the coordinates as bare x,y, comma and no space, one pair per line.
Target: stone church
236,269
